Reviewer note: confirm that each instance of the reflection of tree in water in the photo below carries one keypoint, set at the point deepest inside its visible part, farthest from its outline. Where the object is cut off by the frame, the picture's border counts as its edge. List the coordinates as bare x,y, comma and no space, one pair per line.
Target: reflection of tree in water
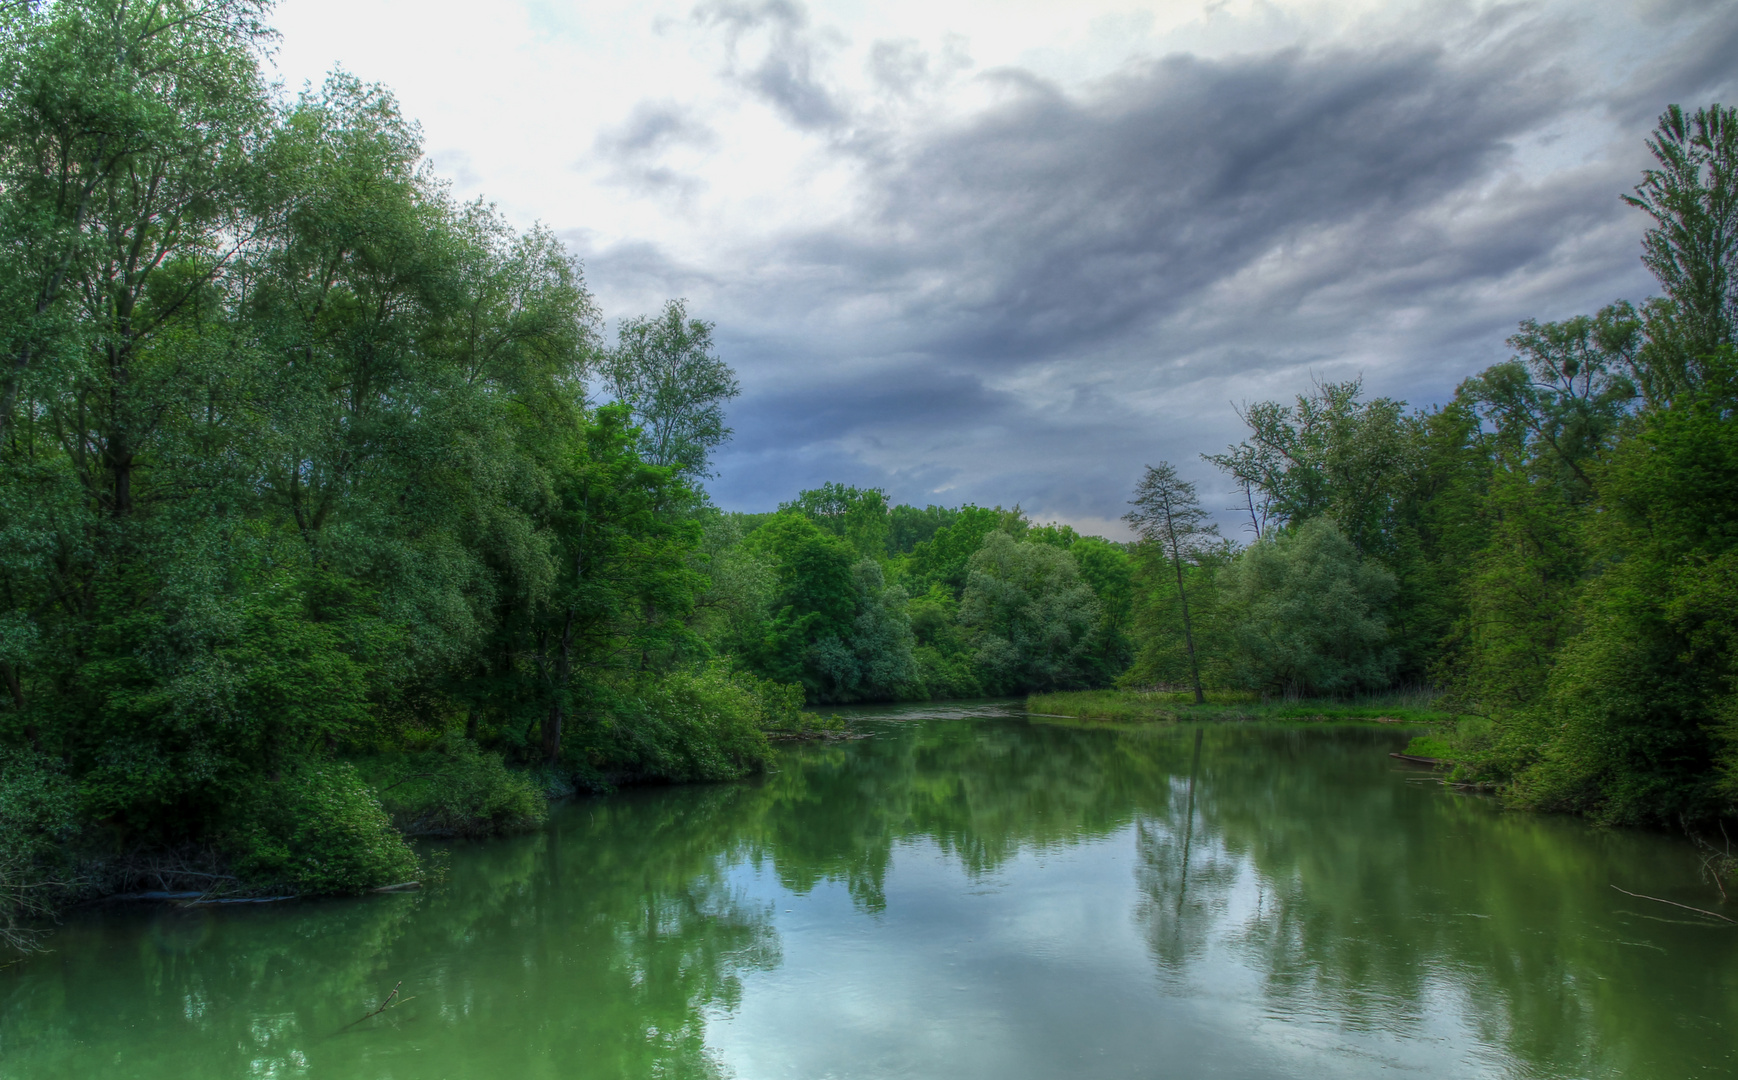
1361,904
599,949
980,792
1184,875
602,946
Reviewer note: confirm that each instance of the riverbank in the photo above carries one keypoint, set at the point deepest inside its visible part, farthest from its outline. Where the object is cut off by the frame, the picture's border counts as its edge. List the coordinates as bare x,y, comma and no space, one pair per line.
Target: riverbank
1416,709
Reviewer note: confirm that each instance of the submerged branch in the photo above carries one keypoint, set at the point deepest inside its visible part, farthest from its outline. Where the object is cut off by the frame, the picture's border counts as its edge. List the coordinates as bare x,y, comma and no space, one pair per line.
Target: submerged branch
385,1004
1674,903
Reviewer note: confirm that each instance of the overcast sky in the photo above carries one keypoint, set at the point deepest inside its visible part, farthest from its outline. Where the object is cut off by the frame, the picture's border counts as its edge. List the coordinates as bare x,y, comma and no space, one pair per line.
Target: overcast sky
1010,252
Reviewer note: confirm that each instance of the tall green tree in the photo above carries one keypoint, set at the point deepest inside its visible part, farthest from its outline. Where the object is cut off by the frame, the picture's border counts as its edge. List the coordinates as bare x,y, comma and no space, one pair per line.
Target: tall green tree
860,516
665,369
1167,514
1331,453
1692,248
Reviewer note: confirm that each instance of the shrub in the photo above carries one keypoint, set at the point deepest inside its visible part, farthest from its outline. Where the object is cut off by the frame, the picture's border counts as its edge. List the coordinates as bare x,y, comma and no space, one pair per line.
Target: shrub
318,829
705,725
456,789
37,807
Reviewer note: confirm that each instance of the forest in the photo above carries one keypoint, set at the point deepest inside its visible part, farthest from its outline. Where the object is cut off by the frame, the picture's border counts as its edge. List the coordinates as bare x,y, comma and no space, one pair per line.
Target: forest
331,515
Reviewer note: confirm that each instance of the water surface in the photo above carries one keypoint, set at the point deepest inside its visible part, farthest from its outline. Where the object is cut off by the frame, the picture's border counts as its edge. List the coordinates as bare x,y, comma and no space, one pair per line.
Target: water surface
969,893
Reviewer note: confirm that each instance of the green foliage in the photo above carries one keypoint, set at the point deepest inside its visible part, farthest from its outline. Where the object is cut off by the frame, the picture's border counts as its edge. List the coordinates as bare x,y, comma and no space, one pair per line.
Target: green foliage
454,789
908,526
1308,615
1693,247
1624,730
1032,614
317,829
836,626
1161,657
38,815
1430,746
665,369
705,725
944,558
859,516
1331,454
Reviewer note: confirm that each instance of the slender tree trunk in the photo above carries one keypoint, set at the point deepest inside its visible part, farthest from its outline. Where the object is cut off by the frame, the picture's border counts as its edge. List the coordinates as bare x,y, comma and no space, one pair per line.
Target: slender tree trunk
552,733
13,685
1188,630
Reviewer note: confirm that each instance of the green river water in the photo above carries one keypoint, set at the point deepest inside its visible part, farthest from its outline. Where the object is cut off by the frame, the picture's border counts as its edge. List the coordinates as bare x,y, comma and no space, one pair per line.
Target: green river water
969,893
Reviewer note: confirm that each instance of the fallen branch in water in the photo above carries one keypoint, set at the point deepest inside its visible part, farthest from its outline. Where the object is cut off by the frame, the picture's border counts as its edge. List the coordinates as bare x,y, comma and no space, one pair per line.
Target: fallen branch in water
207,898
1674,903
403,886
385,1004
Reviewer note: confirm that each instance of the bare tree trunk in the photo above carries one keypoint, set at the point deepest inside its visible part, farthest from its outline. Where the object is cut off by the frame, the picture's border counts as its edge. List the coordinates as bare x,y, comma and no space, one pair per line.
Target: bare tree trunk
552,733
1188,630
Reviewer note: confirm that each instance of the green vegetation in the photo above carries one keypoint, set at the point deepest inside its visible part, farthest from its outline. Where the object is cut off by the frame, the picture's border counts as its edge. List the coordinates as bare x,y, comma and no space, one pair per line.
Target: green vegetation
454,789
327,515
1431,746
1555,547
310,525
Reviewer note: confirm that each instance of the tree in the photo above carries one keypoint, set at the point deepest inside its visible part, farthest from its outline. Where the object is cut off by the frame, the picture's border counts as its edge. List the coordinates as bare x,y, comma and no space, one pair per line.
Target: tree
944,559
1033,613
1309,614
858,515
837,626
1167,513
1331,453
1693,246
664,369
127,132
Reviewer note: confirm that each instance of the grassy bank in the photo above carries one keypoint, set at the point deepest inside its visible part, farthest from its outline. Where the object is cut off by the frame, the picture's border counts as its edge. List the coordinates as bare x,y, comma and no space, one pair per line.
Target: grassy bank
1136,706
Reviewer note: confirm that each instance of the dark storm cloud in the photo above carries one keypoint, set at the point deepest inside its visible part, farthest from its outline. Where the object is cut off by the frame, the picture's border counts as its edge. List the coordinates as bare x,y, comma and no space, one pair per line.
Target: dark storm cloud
1036,301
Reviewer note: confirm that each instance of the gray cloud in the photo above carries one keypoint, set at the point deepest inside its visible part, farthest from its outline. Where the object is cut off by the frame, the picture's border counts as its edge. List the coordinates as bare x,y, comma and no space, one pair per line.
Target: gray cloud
633,151
1036,301
902,66
790,52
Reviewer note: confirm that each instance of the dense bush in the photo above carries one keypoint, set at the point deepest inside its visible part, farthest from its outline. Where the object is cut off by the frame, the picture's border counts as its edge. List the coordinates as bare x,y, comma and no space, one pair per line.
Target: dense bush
455,789
705,725
38,815
317,829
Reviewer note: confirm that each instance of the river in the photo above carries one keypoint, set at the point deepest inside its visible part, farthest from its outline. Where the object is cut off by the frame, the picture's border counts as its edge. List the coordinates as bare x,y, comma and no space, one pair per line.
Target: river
969,893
